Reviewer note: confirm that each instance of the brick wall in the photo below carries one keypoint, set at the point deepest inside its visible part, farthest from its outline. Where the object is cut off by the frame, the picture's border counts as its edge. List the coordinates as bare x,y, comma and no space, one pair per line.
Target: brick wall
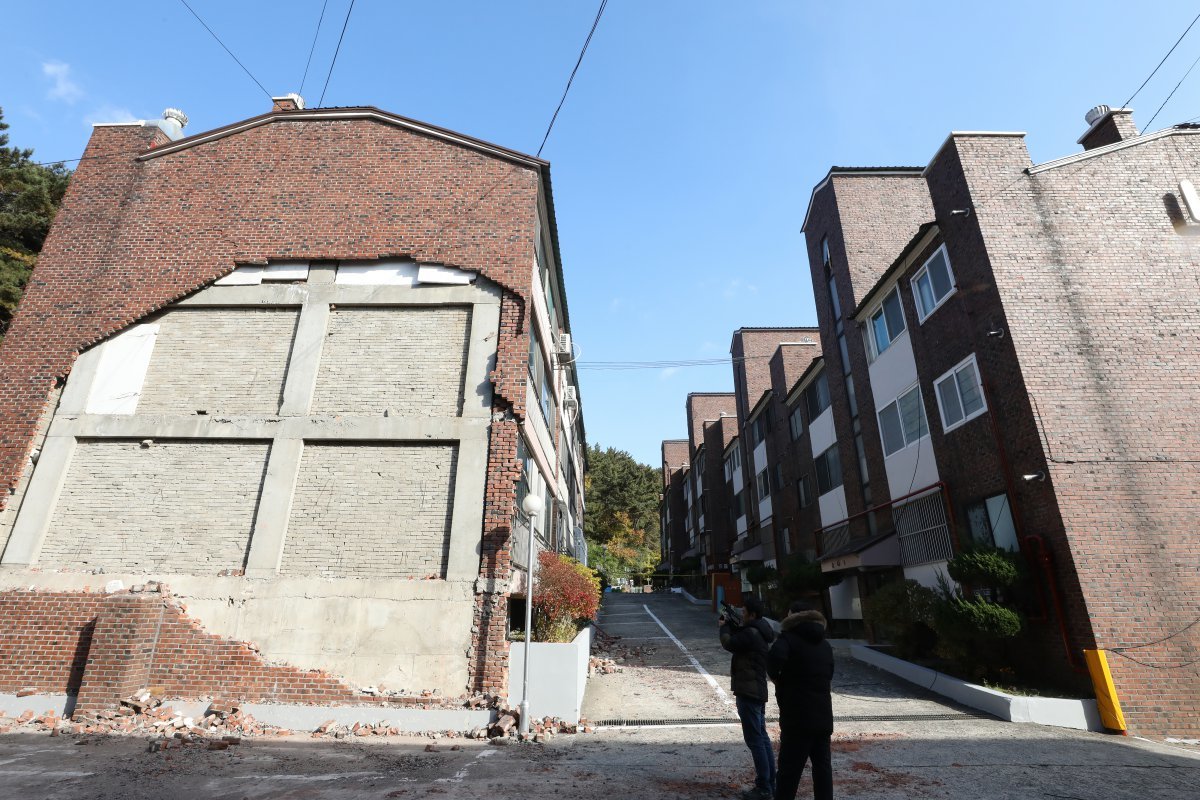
795,457
221,360
1094,264
363,511
424,350
175,506
119,249
674,453
45,638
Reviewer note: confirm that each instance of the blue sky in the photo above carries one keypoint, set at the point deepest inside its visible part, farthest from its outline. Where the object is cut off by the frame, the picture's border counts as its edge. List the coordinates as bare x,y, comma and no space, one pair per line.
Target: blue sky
684,157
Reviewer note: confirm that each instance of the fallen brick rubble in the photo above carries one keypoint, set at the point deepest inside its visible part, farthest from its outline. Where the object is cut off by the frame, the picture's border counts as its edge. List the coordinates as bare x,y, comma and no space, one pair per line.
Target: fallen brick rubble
224,724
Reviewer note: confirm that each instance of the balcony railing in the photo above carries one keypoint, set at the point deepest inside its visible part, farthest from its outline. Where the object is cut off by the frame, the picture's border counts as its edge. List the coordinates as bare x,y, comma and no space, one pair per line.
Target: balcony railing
922,521
922,529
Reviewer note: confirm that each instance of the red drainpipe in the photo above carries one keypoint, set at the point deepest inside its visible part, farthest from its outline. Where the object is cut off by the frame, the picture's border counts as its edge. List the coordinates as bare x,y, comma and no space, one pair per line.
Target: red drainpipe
1046,560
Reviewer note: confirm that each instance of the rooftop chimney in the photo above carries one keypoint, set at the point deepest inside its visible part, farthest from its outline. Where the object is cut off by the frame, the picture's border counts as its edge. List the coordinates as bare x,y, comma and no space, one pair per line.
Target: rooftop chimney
289,102
1107,126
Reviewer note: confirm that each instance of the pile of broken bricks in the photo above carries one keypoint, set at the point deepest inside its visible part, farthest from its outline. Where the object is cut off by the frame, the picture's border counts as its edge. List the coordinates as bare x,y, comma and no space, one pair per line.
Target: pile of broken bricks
608,654
224,724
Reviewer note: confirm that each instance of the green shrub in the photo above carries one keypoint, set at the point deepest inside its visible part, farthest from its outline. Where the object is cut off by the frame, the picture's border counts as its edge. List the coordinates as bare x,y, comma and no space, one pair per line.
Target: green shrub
972,634
984,568
902,613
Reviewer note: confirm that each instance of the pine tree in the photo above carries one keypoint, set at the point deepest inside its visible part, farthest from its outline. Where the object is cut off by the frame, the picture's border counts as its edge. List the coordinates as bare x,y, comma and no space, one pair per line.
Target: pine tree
29,198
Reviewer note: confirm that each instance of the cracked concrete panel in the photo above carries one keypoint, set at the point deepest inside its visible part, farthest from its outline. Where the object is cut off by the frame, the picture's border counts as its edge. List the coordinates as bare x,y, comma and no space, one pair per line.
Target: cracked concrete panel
174,506
408,361
219,360
371,511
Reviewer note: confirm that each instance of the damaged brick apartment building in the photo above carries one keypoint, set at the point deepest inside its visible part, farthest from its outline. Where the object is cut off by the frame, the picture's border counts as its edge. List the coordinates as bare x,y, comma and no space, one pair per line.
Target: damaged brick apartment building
1011,353
269,408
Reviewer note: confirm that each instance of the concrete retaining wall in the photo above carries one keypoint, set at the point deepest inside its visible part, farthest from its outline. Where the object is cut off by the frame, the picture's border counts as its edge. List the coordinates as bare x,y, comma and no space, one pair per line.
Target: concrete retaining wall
1059,712
557,676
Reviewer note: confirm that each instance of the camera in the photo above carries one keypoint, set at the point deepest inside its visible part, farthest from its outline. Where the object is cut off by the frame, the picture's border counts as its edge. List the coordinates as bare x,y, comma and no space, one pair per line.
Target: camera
731,615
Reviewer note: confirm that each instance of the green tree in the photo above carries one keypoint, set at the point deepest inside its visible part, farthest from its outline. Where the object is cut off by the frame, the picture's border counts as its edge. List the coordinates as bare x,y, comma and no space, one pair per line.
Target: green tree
29,198
621,524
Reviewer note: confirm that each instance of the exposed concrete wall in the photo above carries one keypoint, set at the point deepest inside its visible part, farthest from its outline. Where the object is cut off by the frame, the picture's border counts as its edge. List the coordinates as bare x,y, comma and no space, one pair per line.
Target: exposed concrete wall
407,361
16,494
355,506
176,506
220,360
371,511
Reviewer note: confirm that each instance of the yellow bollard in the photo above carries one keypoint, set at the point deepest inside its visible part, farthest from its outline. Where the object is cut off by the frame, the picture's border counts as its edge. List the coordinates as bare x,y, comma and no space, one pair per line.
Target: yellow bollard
1107,701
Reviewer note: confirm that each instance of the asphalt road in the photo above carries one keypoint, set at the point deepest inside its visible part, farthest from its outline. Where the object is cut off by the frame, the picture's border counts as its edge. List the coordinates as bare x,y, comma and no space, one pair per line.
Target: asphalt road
892,741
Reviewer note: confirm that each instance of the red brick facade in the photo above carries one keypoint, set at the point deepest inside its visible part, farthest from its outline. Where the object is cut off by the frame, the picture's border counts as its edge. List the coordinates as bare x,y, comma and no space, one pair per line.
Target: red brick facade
1074,292
147,221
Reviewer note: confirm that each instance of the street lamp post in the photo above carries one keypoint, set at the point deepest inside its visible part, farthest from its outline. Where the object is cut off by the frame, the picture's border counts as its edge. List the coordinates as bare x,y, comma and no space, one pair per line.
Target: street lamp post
532,505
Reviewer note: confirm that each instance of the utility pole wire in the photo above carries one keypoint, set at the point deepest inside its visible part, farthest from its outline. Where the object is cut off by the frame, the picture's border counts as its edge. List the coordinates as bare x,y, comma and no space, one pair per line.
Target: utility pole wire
579,61
227,50
329,74
308,63
1172,94
1164,60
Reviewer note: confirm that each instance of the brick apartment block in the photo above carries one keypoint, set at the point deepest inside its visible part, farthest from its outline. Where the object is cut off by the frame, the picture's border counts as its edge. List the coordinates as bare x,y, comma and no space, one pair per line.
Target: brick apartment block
302,369
1021,369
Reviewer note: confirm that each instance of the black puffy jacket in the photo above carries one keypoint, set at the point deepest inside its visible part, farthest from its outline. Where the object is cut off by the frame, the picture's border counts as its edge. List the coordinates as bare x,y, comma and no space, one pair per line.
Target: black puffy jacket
801,665
749,644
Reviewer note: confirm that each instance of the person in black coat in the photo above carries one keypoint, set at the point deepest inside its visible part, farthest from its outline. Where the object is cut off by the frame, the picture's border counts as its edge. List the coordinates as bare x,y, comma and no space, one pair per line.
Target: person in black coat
749,643
801,665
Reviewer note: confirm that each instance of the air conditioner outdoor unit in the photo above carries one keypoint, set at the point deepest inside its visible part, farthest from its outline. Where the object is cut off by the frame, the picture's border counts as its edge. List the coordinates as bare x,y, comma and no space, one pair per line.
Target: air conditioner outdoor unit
564,345
571,396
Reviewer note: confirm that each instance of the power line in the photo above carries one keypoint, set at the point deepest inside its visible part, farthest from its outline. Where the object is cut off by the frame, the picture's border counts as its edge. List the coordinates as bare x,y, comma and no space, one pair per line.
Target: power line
312,49
586,42
227,50
1164,60
1172,94
329,74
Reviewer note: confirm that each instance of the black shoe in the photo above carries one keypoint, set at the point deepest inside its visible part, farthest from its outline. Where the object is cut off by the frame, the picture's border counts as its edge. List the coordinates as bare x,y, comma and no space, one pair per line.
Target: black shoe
755,793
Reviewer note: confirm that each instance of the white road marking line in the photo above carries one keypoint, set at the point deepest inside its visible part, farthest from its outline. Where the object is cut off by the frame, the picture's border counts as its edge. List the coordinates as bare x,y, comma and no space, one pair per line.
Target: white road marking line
461,775
703,672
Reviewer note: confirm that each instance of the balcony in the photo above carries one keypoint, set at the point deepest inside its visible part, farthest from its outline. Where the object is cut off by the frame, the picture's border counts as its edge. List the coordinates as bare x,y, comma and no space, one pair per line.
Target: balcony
920,534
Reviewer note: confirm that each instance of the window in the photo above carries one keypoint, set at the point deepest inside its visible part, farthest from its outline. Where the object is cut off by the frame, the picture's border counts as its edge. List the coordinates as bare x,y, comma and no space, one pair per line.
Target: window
786,538
760,427
829,470
796,423
540,376
523,482
960,394
804,489
733,462
700,464
991,523
763,484
816,397
933,284
902,421
777,477
739,504
887,322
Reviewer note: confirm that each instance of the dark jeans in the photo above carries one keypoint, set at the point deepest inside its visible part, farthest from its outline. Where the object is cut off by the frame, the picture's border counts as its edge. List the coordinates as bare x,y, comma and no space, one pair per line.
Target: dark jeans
753,715
796,748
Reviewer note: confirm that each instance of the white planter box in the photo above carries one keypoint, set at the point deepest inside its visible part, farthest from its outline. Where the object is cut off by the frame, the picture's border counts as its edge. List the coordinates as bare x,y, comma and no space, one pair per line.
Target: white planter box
1063,713
557,676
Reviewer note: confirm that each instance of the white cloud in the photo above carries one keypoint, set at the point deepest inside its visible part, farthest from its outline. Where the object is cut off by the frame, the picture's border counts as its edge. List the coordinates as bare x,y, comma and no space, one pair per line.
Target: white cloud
667,373
64,88
109,113
739,287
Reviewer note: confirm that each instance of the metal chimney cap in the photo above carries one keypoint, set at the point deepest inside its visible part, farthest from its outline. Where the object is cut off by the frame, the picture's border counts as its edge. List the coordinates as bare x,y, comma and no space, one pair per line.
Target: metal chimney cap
177,115
1095,113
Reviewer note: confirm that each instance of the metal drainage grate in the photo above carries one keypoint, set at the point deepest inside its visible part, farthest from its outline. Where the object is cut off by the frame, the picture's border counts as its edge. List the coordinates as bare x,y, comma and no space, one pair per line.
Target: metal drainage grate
636,723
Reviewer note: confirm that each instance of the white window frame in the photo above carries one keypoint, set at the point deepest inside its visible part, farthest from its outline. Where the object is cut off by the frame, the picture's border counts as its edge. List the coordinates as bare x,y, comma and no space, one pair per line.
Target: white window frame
875,350
951,374
923,314
896,402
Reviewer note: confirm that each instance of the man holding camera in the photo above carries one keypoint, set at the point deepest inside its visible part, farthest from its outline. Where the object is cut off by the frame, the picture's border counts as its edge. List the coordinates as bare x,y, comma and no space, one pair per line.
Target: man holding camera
749,640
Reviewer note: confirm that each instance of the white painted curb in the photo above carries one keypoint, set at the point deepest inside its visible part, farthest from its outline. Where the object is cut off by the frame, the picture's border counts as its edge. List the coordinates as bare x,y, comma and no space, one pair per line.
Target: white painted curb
1060,712
687,596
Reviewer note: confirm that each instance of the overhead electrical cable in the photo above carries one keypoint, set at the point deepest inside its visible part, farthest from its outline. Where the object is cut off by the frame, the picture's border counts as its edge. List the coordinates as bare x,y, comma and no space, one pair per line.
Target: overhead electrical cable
1172,94
312,49
563,99
227,50
337,50
1164,60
